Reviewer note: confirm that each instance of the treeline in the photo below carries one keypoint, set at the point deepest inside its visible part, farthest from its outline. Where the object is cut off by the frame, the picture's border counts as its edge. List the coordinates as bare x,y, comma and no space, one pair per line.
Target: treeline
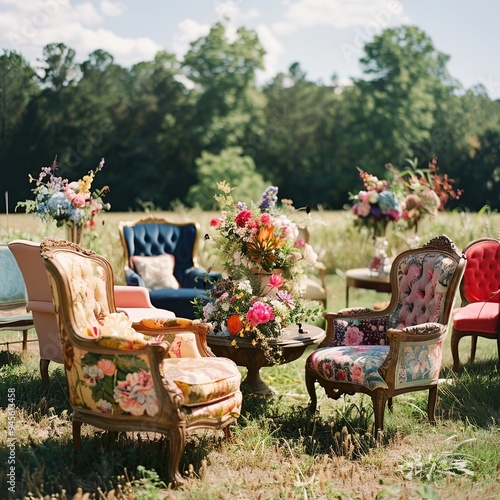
169,130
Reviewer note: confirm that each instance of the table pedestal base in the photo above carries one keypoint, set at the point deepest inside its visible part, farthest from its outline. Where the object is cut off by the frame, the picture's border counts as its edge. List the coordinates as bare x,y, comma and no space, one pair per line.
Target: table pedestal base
253,384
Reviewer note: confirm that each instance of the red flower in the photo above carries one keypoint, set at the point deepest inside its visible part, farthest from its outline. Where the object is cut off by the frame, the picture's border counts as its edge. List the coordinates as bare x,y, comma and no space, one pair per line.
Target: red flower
242,218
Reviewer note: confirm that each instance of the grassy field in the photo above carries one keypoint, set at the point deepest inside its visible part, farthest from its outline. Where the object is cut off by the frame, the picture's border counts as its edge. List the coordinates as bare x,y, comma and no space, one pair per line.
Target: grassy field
280,451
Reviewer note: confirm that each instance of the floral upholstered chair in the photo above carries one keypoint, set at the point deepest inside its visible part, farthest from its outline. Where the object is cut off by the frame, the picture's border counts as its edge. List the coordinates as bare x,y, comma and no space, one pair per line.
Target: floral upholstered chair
478,314
134,301
156,375
396,350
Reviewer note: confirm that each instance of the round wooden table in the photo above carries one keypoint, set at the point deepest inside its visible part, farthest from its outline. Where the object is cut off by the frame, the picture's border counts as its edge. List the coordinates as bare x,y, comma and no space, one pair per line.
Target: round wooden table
364,278
292,343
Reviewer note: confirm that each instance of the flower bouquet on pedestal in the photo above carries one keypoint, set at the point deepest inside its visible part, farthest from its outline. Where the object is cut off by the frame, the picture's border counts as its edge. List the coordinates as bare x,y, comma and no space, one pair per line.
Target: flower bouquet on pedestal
375,207
426,192
264,257
70,204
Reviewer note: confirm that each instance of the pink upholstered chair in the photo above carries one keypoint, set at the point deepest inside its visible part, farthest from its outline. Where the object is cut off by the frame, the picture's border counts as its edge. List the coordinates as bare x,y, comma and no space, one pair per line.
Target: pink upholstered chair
133,301
480,294
157,375
398,349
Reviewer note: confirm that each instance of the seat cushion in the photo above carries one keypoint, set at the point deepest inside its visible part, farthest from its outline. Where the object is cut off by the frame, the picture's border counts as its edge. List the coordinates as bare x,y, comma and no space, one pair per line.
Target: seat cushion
202,380
353,364
481,317
179,301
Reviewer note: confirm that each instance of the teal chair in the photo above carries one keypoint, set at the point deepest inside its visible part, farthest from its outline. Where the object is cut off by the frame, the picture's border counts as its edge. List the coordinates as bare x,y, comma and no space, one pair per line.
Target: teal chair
13,296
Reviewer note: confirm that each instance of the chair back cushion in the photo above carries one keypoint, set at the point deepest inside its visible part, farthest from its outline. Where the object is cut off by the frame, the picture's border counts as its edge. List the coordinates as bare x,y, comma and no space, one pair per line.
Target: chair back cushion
84,283
158,238
481,280
423,280
12,287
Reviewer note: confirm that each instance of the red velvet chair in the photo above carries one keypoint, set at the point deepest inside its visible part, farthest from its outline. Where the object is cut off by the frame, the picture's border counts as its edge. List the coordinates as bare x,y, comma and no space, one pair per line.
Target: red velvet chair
480,294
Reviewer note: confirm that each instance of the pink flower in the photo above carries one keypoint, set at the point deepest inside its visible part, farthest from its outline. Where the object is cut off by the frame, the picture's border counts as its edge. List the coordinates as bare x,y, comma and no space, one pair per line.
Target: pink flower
259,313
78,201
136,394
215,222
287,298
266,219
242,218
353,336
276,280
106,366
357,374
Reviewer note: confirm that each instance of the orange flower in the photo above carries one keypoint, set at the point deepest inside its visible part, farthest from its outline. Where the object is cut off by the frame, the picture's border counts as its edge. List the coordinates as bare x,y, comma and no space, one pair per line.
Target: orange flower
234,324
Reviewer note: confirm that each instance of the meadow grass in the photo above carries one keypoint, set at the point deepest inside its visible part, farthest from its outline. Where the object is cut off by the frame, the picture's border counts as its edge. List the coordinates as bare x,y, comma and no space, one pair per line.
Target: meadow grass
279,449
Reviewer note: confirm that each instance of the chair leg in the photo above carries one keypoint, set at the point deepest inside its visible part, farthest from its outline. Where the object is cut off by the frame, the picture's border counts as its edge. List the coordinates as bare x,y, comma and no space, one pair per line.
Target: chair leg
25,340
473,345
431,404
228,434
77,436
498,348
311,389
177,443
379,400
44,370
455,339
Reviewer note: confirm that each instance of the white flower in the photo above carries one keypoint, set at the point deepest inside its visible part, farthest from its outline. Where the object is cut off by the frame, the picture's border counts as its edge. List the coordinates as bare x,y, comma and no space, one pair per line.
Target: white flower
310,255
245,286
372,196
119,325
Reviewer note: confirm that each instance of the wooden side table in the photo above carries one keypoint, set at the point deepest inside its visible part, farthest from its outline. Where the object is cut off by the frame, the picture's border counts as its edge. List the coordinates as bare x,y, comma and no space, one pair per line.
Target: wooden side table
292,343
363,278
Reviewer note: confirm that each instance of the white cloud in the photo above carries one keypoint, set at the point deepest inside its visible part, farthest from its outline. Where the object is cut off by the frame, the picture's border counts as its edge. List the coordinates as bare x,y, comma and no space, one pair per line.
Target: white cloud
112,9
339,14
188,31
274,49
30,25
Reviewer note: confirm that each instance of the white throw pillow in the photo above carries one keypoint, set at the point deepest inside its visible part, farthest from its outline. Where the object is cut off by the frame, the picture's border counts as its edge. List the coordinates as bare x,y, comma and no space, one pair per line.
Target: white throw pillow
156,271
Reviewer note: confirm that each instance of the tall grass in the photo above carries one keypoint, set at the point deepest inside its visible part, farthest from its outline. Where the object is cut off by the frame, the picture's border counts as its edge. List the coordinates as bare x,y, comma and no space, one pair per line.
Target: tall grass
279,449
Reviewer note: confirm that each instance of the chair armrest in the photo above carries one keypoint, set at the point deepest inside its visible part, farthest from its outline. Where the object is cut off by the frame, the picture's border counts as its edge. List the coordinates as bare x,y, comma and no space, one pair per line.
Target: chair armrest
174,330
132,296
414,356
132,278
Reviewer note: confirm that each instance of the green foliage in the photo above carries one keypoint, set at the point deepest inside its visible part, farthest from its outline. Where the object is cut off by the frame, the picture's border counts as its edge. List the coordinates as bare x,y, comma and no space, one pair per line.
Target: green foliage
229,165
152,122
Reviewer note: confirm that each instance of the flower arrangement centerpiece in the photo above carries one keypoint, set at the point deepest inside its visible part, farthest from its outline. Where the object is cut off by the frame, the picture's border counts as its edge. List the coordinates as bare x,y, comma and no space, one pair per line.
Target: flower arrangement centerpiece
425,192
265,258
376,205
70,204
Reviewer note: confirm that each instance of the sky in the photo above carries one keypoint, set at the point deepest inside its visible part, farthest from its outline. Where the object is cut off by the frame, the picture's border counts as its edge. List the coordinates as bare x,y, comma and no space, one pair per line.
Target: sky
325,37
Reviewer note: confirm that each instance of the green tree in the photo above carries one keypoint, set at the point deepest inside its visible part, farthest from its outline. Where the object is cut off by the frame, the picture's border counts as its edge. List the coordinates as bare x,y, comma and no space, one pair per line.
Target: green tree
229,109
230,166
399,100
17,87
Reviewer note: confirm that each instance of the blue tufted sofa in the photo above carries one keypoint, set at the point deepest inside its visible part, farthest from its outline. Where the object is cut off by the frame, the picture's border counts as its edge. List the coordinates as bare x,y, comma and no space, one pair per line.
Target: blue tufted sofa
156,236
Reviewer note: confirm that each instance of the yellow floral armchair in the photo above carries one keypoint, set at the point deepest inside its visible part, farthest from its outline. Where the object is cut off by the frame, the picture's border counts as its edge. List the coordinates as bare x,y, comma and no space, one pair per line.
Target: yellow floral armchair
396,350
156,375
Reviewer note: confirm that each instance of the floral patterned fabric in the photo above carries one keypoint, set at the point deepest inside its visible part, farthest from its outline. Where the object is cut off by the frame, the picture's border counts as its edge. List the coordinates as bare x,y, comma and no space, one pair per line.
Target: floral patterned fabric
354,364
423,282
87,282
418,364
111,383
123,384
200,380
217,410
